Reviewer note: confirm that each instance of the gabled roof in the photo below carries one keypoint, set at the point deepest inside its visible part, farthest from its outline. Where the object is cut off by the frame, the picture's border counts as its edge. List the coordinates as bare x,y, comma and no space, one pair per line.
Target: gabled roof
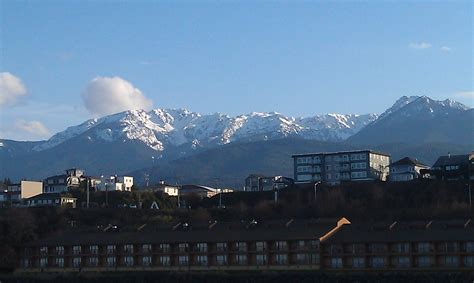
452,160
408,161
48,196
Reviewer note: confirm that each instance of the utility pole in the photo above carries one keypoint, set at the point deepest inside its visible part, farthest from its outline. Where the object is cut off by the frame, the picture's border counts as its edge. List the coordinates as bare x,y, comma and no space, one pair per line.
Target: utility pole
470,195
87,180
275,194
315,190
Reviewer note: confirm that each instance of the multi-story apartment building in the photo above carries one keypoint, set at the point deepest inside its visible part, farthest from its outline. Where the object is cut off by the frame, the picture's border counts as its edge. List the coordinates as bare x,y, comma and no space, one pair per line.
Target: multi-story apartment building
428,245
336,167
332,245
216,246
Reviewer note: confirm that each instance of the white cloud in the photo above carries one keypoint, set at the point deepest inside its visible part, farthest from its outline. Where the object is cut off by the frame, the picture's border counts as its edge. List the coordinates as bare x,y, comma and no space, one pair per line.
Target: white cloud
445,49
108,95
464,94
11,88
420,45
34,128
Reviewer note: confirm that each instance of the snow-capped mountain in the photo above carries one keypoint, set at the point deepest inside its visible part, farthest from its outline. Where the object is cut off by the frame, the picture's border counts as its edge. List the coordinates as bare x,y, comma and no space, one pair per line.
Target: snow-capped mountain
131,140
420,119
162,128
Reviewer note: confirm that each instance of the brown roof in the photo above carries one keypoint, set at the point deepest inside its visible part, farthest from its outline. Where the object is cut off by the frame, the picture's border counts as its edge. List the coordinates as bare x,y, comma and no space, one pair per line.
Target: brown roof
210,232
455,230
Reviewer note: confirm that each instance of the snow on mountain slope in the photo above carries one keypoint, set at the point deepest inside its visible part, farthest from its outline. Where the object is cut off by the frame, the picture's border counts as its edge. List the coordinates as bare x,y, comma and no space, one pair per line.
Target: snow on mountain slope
161,128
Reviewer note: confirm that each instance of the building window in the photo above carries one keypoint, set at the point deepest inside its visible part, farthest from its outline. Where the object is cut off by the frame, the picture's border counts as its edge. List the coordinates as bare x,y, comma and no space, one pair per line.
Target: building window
281,259
424,261
165,260
94,249
221,247
128,248
358,248
358,262
469,261
281,245
301,245
201,247
314,244
403,248
43,250
164,248
452,261
403,261
260,246
146,261
146,248
93,261
110,249
336,262
76,250
241,246
183,260
301,259
25,263
60,250
424,247
314,258
43,262
378,262
202,260
452,247
335,249
469,246
183,247
241,259
76,262
128,260
221,259
261,259
59,262
111,260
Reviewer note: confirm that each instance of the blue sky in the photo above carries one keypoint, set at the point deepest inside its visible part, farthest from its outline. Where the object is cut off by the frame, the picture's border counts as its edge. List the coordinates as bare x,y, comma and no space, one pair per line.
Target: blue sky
298,58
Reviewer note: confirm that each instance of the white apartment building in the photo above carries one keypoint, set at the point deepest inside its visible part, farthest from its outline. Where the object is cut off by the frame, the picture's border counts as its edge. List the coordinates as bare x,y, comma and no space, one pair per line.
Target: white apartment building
335,167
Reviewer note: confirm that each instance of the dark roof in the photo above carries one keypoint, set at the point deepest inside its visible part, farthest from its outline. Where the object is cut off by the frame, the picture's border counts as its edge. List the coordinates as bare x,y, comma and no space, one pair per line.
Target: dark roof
408,161
209,232
341,152
48,196
452,160
456,230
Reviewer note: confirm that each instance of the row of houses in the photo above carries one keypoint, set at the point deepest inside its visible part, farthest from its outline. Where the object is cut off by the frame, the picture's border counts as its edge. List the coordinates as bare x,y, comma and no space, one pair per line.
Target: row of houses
51,191
368,165
323,244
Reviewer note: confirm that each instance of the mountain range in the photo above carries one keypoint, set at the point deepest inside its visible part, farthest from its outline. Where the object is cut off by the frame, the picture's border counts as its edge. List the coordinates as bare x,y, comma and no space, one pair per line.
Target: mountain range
162,142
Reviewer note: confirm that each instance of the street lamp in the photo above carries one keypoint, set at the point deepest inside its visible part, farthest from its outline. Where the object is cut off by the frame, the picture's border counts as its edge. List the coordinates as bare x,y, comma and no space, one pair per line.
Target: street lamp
315,190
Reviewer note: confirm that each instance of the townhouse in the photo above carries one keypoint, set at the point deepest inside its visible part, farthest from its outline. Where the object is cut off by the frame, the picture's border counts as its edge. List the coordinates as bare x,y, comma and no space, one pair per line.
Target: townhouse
419,245
216,246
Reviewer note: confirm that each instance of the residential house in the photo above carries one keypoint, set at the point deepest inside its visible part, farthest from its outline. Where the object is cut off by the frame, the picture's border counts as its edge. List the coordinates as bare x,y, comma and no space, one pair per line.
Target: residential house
258,183
116,183
15,193
171,190
62,183
406,169
51,199
336,167
453,167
